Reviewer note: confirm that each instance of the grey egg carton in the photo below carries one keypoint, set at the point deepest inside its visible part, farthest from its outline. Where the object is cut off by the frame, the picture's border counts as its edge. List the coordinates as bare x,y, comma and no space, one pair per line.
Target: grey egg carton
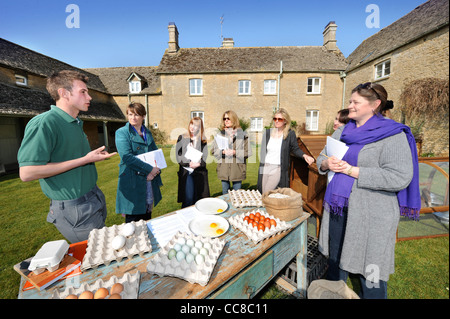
130,287
258,235
245,198
192,272
99,249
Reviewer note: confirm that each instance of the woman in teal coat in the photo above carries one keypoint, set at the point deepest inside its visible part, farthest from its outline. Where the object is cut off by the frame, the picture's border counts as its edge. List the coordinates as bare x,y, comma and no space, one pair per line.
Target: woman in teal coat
139,183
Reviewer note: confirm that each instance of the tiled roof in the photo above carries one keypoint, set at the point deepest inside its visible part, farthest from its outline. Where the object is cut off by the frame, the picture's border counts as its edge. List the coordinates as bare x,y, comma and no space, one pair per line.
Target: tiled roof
426,18
243,60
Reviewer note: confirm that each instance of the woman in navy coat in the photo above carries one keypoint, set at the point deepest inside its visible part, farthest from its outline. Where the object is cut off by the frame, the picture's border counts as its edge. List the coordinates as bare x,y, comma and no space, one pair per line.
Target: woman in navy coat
138,186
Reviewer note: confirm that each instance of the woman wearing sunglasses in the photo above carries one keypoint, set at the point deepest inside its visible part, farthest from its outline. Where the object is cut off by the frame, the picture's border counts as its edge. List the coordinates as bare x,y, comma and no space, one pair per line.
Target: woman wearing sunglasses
231,160
276,146
375,182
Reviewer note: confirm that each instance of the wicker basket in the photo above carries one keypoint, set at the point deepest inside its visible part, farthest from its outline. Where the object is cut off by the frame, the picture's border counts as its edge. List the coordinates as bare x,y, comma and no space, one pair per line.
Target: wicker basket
288,208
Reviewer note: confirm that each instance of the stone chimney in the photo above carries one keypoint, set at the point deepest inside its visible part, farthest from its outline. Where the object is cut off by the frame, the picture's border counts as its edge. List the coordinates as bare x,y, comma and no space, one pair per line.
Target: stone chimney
329,37
173,38
228,43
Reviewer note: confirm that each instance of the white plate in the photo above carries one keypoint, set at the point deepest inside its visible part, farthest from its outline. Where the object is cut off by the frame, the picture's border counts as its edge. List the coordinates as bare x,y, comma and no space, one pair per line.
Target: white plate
211,205
201,225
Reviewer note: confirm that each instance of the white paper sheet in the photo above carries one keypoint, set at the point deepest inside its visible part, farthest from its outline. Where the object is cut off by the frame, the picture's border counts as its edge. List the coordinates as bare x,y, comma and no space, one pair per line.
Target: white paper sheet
337,149
154,157
221,141
193,154
163,229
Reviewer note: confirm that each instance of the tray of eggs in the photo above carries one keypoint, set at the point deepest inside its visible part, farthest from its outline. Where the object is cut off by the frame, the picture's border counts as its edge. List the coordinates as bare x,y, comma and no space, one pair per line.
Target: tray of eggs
258,225
189,257
126,287
115,243
245,198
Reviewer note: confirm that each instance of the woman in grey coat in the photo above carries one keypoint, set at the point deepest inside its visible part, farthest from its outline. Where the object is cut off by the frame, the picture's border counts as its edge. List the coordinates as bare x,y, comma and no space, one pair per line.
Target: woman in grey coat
375,182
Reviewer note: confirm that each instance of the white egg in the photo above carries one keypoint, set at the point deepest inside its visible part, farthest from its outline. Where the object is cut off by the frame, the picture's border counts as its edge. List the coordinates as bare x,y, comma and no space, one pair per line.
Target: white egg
198,244
185,249
199,259
194,251
180,255
207,245
177,247
118,242
189,258
190,242
204,252
128,229
182,241
171,253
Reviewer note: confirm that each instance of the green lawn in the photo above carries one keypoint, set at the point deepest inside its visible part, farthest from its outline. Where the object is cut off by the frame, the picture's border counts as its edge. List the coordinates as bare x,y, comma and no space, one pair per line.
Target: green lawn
422,266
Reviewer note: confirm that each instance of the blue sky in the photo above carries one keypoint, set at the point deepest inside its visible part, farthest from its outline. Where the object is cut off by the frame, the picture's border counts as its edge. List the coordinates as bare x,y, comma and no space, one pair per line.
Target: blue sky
134,33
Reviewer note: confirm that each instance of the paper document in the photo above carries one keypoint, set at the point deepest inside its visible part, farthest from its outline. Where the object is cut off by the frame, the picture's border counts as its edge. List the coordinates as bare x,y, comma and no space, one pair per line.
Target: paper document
154,158
193,155
221,141
164,228
337,149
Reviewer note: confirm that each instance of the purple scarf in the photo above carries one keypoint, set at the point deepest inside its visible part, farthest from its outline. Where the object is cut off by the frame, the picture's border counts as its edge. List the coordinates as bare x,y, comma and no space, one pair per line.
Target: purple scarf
375,129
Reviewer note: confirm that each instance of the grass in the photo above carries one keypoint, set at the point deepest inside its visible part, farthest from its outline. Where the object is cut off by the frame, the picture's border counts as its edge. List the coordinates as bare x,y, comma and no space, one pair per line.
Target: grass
422,266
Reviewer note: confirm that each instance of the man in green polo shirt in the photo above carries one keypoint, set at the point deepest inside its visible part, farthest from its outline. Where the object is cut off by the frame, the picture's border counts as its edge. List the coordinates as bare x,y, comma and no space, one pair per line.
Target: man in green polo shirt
56,151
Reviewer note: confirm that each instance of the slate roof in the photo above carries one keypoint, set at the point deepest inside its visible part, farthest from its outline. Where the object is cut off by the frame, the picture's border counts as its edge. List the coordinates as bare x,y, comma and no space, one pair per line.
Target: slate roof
115,79
428,17
251,59
29,101
26,101
17,57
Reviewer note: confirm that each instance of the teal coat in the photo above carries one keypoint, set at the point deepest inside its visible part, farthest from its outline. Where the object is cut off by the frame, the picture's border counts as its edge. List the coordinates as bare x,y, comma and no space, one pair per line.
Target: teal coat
132,184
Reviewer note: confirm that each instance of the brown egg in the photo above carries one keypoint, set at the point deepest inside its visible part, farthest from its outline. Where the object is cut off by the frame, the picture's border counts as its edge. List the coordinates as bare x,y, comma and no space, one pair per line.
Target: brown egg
115,296
86,295
101,293
72,297
117,288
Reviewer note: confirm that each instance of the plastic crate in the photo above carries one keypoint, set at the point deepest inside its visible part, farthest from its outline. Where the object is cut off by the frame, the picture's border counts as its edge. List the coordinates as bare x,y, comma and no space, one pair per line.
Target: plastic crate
316,264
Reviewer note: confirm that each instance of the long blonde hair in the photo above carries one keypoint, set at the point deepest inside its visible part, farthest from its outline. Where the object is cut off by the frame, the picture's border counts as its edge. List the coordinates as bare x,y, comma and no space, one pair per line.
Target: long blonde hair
234,119
287,118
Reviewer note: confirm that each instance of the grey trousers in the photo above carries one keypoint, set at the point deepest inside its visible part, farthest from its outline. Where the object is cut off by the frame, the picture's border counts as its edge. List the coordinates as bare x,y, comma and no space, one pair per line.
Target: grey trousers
76,218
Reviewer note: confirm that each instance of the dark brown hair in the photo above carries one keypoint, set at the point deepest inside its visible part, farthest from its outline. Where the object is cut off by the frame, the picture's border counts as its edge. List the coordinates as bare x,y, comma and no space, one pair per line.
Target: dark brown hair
342,116
372,92
63,79
137,108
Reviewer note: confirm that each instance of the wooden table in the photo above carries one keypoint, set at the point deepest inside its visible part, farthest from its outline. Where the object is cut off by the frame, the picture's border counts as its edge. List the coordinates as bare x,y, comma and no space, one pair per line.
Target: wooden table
241,271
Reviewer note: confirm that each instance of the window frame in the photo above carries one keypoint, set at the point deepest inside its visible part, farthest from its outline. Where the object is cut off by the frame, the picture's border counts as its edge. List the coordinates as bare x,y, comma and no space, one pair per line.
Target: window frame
254,125
272,90
198,89
383,70
249,89
21,77
313,85
309,120
135,86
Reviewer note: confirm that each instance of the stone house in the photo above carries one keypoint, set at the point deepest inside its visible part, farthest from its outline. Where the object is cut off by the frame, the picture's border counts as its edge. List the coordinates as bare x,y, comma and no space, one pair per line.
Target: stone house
23,94
414,47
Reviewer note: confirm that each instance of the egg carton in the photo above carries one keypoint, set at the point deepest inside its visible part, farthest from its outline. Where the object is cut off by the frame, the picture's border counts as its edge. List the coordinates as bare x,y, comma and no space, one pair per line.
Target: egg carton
245,198
192,272
100,249
130,287
258,235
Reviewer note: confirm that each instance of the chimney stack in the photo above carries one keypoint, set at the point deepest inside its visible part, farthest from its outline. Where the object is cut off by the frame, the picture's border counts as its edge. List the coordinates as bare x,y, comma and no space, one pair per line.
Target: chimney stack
228,43
329,37
173,38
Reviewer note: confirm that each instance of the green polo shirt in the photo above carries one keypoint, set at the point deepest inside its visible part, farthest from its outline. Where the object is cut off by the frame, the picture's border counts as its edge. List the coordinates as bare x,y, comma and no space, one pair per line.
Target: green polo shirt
54,136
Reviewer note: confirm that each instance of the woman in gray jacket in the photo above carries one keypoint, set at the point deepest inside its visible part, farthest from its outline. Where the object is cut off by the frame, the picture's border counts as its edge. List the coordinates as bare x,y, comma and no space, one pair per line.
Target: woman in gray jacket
231,161
375,182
